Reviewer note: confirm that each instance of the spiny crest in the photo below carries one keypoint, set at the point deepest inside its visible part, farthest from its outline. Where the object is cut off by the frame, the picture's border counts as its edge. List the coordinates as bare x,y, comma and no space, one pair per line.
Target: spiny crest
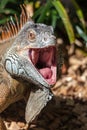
11,28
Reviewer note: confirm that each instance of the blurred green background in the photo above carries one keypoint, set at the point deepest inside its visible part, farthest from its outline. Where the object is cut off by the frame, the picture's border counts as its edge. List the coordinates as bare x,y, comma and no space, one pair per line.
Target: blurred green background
68,17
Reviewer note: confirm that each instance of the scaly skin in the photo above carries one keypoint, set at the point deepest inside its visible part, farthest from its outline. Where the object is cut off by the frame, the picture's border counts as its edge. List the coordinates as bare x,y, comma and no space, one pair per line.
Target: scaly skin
10,91
18,68
19,75
20,60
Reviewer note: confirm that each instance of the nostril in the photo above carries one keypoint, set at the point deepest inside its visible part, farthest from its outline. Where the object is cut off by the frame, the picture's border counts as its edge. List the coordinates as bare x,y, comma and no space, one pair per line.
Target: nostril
45,38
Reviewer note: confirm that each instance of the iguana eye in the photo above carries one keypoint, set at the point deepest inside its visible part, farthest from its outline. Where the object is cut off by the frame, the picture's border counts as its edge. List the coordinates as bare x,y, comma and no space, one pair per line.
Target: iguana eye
31,35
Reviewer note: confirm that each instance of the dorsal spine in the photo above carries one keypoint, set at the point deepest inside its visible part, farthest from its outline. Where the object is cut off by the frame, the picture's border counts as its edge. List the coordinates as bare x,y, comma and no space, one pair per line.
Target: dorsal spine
11,29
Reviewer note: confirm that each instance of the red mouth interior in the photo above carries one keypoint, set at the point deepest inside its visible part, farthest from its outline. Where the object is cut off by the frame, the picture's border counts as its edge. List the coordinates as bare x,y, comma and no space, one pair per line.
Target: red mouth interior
45,62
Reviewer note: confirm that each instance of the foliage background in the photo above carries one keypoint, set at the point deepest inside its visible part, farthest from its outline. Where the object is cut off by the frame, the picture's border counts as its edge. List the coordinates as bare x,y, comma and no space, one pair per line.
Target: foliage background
67,17
58,13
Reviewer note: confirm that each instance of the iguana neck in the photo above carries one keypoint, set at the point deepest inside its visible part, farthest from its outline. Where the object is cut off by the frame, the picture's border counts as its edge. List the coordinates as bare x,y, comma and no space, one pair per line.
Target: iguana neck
5,45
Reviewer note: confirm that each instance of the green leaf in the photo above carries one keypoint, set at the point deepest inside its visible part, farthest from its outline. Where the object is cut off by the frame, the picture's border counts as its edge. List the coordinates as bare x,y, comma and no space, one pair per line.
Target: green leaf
79,14
46,7
8,11
4,20
81,33
54,18
38,12
64,16
4,2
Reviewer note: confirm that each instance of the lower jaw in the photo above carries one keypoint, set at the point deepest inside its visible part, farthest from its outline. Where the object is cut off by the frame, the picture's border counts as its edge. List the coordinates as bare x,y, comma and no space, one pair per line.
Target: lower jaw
51,81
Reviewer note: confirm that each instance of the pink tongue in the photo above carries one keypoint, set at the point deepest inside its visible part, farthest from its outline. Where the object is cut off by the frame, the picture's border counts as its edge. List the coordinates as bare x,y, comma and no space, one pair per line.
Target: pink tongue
46,73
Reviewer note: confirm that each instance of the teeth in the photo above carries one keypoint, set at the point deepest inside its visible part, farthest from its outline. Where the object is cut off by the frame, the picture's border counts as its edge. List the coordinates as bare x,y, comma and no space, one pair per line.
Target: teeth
34,55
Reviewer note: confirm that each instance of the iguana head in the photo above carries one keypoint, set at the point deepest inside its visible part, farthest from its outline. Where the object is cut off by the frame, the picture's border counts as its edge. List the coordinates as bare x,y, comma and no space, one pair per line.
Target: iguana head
34,50
32,55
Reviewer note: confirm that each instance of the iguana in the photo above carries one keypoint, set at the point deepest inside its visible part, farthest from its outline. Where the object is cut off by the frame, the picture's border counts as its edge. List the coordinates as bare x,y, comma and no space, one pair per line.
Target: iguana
28,64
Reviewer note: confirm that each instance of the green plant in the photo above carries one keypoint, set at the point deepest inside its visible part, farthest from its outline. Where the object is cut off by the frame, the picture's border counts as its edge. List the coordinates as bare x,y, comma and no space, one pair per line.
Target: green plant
51,12
55,13
8,8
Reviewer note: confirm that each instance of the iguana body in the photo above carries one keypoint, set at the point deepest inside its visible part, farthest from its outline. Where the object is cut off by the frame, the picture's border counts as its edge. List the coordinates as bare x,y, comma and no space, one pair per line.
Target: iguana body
11,90
27,56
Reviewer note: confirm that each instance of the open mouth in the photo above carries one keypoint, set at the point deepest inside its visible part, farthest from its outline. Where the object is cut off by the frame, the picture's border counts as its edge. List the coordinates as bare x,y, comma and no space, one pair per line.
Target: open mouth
44,60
